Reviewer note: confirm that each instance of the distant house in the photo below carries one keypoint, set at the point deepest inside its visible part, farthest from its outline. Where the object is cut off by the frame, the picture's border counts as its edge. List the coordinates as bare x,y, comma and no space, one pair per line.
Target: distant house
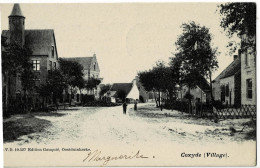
119,91
226,87
42,44
90,70
201,93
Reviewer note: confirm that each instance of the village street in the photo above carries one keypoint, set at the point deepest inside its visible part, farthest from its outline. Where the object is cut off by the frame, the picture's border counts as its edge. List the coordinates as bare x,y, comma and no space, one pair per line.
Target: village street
147,125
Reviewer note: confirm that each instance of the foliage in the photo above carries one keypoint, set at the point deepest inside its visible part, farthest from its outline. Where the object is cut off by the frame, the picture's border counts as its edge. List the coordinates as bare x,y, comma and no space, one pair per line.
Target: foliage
147,78
92,83
28,78
55,84
121,94
160,78
72,72
104,89
14,57
16,60
188,96
239,18
195,51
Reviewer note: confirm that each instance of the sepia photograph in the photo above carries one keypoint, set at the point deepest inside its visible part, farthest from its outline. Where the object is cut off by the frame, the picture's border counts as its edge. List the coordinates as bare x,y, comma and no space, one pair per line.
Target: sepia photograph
129,84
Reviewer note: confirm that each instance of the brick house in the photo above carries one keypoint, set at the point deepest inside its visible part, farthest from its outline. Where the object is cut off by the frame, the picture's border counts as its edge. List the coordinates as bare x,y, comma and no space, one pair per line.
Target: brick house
42,44
90,70
226,87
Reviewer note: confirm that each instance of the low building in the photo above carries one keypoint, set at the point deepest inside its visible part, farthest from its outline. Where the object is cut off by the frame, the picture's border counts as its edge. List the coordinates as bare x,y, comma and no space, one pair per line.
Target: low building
120,91
200,93
226,87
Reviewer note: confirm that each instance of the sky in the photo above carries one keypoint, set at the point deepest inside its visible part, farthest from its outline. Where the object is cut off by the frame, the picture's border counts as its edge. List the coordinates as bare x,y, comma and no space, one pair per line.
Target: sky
126,37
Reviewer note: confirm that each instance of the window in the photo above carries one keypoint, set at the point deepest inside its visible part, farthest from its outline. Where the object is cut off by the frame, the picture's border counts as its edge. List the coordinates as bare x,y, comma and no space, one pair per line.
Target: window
52,51
222,93
50,65
54,65
36,65
227,90
249,88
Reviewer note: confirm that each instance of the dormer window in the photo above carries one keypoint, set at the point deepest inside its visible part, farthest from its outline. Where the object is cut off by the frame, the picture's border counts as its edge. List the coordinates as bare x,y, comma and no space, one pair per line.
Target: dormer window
94,66
52,51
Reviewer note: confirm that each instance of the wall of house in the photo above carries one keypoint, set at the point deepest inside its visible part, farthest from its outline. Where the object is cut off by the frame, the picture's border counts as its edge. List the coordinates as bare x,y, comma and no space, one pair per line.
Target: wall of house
248,72
134,92
230,81
143,93
42,74
94,69
216,91
52,58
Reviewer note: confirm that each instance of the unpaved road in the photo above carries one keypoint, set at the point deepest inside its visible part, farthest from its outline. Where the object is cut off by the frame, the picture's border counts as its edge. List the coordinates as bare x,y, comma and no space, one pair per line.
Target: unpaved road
147,125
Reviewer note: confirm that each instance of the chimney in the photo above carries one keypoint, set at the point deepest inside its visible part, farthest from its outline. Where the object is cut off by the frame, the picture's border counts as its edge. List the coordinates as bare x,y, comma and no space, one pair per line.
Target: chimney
235,57
239,53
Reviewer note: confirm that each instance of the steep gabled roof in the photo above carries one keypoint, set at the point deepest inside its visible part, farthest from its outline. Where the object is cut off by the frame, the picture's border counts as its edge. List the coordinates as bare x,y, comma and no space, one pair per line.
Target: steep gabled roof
38,41
84,61
203,84
231,69
126,87
235,67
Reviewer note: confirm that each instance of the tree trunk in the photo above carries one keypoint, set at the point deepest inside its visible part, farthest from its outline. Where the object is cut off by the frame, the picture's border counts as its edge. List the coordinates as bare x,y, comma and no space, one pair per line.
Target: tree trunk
159,99
190,107
80,98
155,99
211,95
70,95
7,82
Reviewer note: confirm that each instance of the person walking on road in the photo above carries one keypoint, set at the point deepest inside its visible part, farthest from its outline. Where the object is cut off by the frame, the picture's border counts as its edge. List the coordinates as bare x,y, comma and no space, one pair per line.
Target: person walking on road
124,107
135,106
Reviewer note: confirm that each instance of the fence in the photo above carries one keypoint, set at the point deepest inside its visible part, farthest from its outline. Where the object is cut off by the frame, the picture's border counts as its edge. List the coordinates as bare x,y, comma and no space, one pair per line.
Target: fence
244,111
209,111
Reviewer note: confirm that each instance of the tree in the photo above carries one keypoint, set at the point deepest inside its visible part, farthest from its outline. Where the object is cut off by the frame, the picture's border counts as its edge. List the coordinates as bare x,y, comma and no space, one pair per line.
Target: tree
147,79
15,61
54,86
160,78
105,89
92,83
196,54
121,94
73,74
240,19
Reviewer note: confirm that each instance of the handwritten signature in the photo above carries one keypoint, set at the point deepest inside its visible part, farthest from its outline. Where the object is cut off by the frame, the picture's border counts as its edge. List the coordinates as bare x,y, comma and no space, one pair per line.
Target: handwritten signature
96,156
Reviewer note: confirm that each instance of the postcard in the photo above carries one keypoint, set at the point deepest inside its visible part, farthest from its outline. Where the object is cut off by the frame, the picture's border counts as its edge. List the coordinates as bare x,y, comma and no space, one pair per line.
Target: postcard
129,84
